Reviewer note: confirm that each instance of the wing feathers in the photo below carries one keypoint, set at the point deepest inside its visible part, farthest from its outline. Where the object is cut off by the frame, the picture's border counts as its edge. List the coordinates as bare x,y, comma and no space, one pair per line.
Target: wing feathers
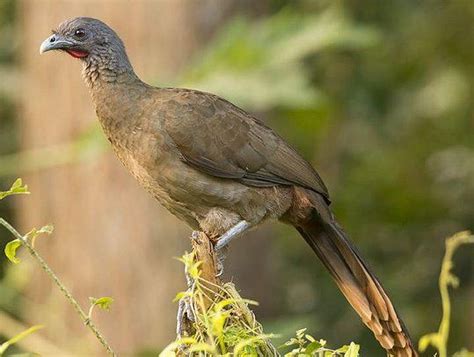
222,140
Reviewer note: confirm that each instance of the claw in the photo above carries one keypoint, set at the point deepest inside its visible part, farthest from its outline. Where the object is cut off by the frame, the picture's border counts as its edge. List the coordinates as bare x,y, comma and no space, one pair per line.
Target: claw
195,235
221,255
185,316
180,320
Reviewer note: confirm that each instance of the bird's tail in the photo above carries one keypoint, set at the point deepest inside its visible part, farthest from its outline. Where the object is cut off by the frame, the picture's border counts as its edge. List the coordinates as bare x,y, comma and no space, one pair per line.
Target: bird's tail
358,284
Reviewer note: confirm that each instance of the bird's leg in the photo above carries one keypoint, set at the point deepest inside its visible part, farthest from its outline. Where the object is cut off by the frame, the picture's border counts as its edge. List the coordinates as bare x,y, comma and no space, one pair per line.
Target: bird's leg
232,233
225,239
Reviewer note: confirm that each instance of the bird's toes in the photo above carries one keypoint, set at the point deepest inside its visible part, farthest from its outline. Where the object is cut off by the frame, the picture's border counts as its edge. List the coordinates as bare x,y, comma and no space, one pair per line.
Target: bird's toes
184,318
195,235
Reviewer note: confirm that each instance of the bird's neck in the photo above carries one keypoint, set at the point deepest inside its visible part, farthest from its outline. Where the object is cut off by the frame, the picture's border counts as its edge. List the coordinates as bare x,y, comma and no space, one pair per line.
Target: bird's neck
109,76
116,95
99,70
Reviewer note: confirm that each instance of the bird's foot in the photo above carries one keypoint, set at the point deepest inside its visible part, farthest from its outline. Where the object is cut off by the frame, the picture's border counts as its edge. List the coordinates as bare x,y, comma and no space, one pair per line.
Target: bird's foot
185,316
221,254
220,247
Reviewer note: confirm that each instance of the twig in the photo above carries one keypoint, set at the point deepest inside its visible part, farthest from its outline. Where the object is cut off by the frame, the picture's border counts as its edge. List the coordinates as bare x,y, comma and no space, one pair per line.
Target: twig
24,242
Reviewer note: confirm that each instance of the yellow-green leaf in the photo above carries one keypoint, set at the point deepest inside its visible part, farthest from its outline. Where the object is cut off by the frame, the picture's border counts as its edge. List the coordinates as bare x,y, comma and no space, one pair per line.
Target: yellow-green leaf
218,322
31,235
169,350
352,350
201,347
10,250
16,189
20,336
182,295
300,333
103,302
249,341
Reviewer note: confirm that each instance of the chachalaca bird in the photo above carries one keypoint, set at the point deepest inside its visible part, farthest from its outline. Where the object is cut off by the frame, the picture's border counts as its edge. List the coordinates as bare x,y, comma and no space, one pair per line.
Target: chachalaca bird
219,169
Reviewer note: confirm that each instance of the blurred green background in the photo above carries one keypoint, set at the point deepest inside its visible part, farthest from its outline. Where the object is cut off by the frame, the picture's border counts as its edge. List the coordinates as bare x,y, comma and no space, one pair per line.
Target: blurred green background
377,95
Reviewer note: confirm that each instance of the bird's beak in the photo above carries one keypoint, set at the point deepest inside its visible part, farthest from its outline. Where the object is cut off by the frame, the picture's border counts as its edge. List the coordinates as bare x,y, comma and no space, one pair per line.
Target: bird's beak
55,42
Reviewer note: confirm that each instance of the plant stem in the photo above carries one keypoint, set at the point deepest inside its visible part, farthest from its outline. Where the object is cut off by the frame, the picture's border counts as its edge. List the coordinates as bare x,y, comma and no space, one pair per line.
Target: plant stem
60,285
445,280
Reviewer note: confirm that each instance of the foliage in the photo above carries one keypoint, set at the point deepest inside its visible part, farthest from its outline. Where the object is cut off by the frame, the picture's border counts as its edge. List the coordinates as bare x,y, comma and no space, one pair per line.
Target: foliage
386,121
27,241
439,339
259,65
20,336
229,328
307,345
17,189
103,303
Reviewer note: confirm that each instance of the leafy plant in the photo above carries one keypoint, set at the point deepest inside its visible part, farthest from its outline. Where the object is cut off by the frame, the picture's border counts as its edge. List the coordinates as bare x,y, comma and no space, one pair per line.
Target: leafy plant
227,327
103,303
28,241
260,64
439,340
17,189
307,345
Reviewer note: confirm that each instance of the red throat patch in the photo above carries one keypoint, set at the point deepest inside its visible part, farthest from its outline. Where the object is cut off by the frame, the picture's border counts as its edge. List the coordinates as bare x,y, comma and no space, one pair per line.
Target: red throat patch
77,54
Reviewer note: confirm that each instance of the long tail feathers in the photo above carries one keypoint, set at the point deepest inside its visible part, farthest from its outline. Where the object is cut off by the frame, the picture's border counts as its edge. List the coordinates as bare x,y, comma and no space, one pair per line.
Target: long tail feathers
358,284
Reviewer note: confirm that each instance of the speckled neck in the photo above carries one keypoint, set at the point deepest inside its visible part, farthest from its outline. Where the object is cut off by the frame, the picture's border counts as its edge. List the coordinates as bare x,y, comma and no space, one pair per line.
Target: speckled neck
107,65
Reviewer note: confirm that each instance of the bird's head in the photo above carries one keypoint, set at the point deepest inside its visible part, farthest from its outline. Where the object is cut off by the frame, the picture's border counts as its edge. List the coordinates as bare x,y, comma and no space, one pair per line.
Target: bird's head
90,40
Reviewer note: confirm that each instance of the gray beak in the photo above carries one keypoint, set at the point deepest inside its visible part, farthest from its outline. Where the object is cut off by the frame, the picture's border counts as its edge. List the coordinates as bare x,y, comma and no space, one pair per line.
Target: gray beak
55,42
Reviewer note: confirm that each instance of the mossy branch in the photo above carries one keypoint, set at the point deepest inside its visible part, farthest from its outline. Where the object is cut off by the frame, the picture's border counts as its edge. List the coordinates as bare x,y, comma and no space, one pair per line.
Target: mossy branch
221,322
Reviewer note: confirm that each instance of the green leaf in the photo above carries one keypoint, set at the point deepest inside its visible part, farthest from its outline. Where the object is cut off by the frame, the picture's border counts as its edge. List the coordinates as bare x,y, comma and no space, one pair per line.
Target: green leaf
201,347
103,302
250,341
293,341
31,235
20,336
169,350
10,250
182,295
193,270
300,333
312,347
17,189
352,350
218,322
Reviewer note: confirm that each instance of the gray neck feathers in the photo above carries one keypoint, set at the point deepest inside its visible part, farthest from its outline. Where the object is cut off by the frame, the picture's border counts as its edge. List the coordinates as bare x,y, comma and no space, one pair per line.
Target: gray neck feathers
108,63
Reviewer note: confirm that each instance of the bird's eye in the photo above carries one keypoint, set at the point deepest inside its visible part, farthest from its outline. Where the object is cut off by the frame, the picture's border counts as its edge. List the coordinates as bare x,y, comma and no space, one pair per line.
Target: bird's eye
79,33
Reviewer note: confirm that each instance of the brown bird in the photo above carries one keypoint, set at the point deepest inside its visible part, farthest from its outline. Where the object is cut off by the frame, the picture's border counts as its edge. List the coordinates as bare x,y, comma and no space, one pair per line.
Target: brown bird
219,169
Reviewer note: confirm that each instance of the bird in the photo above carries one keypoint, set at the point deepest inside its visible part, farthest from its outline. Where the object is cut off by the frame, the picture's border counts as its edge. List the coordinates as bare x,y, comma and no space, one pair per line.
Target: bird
220,169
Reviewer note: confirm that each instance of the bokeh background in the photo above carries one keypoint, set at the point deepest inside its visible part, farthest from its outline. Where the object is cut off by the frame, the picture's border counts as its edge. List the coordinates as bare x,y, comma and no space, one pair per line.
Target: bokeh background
377,95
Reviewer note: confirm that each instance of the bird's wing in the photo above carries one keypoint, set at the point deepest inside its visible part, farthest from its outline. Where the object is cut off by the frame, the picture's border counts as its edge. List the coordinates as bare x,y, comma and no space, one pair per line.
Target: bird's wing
218,138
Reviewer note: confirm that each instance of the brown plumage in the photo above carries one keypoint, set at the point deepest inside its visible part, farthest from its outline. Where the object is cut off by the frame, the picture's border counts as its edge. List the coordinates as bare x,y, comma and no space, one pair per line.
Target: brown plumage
214,165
